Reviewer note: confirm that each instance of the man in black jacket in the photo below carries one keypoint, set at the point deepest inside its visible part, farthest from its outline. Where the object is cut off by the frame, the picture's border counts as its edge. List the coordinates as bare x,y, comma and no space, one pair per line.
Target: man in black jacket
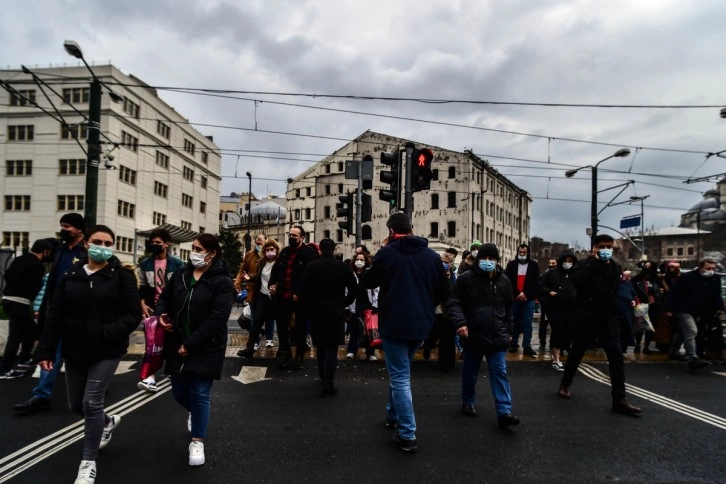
24,279
595,317
285,285
524,274
328,287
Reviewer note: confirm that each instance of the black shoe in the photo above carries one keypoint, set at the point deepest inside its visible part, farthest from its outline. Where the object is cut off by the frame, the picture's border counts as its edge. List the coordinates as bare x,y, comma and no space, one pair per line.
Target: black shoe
35,404
528,351
697,363
624,407
636,350
286,364
513,348
507,420
329,392
246,353
468,409
426,353
300,362
404,444
391,424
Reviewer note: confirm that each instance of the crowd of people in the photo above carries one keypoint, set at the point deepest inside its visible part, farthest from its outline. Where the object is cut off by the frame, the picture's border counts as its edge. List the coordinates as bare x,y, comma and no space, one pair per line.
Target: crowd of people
403,299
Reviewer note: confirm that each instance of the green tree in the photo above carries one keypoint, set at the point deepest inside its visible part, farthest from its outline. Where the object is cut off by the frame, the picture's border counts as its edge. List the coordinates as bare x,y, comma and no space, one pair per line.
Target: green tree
231,249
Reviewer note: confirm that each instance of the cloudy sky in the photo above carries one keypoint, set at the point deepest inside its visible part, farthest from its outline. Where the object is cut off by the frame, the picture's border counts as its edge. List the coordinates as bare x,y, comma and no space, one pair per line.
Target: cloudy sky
581,52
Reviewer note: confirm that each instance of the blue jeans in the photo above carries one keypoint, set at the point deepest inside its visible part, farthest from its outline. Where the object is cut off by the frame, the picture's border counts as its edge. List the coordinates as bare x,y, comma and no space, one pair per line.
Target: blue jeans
192,392
689,331
522,312
498,381
400,401
44,388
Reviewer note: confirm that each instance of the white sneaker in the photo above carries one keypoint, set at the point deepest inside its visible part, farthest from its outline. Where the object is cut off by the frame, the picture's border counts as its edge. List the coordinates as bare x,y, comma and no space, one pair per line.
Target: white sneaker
108,431
373,358
189,422
148,385
196,453
269,344
86,472
557,365
350,356
257,346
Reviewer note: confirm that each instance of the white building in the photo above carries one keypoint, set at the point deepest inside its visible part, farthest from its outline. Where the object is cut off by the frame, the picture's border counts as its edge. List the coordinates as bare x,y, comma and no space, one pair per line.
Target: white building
468,199
162,170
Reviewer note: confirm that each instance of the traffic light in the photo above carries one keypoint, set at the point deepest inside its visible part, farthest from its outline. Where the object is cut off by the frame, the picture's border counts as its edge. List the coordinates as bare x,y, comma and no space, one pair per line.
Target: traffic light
421,173
366,208
391,195
345,213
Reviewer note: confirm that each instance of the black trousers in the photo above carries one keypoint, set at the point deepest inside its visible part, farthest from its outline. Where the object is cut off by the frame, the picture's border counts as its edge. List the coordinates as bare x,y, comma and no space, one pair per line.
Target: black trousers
544,320
285,309
327,357
21,334
616,366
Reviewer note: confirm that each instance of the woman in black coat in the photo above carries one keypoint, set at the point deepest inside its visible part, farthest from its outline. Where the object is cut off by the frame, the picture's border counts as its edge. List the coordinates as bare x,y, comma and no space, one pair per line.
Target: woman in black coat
94,309
194,309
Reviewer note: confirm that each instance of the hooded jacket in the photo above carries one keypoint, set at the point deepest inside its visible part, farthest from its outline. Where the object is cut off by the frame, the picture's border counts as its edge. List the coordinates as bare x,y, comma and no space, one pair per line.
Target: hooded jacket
484,305
94,315
210,304
560,281
412,282
531,279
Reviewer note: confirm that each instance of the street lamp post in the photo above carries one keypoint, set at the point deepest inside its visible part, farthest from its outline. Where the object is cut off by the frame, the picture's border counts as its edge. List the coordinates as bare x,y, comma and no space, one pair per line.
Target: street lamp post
94,135
593,208
642,221
248,239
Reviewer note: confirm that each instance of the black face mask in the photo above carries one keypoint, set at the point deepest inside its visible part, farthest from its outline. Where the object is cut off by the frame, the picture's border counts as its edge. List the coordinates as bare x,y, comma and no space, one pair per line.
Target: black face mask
66,235
292,242
156,249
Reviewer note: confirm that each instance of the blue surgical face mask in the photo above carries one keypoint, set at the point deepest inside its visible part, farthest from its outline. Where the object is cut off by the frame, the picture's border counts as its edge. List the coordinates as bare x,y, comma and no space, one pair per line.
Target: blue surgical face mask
487,265
605,254
99,253
446,266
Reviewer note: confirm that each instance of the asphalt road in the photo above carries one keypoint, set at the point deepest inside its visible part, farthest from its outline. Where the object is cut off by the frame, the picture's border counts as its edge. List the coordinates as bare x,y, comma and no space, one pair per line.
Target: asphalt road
281,430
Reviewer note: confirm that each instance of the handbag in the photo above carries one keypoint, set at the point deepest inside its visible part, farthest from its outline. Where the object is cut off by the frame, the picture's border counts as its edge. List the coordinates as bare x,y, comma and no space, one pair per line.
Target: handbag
642,320
153,359
245,319
371,325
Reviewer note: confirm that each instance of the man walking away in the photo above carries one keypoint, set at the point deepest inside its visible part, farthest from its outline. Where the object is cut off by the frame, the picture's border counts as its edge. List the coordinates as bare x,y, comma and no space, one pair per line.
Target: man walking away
412,282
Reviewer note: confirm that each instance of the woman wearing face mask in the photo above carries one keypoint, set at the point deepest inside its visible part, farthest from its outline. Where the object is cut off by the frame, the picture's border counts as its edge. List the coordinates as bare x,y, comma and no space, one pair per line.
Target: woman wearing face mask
94,309
194,309
262,306
559,291
480,308
366,299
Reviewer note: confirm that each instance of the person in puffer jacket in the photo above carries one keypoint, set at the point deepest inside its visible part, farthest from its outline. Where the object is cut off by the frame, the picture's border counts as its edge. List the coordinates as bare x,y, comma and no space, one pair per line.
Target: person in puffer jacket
480,308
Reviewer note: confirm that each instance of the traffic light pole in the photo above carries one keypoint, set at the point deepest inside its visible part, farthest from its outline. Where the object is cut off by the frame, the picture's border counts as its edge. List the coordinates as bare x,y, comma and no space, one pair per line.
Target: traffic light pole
408,191
94,152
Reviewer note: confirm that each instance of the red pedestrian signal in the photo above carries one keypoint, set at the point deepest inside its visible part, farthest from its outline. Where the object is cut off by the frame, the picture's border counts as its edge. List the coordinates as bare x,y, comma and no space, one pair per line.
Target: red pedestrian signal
421,173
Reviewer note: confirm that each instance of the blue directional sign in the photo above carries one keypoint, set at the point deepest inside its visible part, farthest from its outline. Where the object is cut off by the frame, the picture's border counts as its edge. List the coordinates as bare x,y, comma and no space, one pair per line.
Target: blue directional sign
629,222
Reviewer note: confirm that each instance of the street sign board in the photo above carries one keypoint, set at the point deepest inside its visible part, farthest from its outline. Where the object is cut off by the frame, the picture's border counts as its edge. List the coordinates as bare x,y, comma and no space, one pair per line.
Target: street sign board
629,222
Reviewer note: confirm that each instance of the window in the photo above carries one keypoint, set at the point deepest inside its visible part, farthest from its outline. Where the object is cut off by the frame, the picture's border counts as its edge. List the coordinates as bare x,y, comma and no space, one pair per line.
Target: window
202,207
297,193
162,160
326,212
160,189
17,203
187,201
340,166
189,147
205,157
367,232
126,209
434,200
326,234
340,188
452,172
297,214
451,228
201,229
186,225
307,214
188,174
339,235
71,167
19,167
21,132
435,174
203,182
159,218
124,244
308,191
129,141
127,175
327,189
434,232
679,251
452,200
327,168
76,95
22,98
690,251
184,254
74,131
70,203
131,108
163,129
16,239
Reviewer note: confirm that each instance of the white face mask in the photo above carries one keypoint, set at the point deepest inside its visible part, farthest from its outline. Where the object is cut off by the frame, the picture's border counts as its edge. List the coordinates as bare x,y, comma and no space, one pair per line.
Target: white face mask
708,273
360,264
198,261
522,257
567,266
474,253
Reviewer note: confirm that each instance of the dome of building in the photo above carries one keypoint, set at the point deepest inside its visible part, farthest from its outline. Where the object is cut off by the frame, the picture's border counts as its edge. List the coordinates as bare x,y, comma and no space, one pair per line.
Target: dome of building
704,205
268,210
712,215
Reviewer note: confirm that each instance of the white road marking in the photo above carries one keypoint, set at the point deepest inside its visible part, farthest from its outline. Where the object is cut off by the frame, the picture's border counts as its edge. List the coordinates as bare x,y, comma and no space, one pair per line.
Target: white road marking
34,453
251,374
709,418
124,367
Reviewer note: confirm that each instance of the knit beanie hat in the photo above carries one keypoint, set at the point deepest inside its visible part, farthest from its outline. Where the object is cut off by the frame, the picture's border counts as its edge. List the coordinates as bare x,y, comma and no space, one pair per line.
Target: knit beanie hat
474,245
74,219
490,250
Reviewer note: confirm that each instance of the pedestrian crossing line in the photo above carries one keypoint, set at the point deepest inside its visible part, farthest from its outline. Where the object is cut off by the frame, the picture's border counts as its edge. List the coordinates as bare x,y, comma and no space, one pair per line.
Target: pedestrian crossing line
36,452
709,418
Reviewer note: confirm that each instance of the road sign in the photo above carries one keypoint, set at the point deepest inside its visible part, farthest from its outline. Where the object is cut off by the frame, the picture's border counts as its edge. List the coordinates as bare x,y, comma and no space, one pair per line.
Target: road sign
629,222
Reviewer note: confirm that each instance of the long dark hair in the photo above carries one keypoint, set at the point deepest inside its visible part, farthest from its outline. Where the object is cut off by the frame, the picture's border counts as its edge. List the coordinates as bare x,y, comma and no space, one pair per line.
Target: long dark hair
210,242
